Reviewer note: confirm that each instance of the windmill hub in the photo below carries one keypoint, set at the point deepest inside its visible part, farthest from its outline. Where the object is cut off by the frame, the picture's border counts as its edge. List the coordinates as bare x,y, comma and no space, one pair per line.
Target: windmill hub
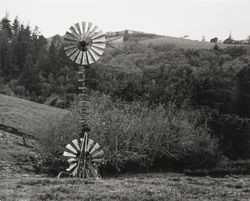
83,45
87,155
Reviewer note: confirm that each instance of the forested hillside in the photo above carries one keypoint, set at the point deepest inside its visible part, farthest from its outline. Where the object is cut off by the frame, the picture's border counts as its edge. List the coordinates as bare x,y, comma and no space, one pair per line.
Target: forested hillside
197,100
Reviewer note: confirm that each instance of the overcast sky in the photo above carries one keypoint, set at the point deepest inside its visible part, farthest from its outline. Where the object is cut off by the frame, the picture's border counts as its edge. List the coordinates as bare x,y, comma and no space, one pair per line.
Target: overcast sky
166,17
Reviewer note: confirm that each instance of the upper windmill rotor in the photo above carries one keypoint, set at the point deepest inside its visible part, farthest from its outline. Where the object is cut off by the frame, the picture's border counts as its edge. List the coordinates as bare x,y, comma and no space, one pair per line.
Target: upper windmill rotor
84,43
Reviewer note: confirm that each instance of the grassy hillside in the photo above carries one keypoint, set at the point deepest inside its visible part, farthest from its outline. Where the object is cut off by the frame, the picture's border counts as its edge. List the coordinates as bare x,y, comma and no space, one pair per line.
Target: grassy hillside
153,187
15,159
27,116
30,118
183,43
146,38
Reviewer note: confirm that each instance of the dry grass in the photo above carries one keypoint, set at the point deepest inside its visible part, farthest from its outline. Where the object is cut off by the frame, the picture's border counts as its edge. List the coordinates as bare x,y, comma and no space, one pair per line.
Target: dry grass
27,116
153,187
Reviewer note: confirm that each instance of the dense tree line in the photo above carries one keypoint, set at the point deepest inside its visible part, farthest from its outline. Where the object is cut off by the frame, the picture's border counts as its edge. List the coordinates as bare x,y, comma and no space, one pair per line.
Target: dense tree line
215,82
30,67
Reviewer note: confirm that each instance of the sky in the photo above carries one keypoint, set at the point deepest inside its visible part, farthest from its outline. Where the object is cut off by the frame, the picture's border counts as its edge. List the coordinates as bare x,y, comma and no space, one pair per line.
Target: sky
195,18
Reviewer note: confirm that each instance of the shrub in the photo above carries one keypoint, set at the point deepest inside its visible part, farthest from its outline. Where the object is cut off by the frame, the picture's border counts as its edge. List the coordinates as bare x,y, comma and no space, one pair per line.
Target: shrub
52,141
233,134
132,134
135,137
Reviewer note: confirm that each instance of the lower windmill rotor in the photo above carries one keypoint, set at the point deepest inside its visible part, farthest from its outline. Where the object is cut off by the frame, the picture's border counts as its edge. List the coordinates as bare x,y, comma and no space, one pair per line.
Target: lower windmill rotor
84,156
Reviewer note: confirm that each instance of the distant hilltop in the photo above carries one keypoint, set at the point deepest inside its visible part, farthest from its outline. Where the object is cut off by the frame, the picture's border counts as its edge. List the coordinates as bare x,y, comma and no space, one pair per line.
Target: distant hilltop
119,37
112,37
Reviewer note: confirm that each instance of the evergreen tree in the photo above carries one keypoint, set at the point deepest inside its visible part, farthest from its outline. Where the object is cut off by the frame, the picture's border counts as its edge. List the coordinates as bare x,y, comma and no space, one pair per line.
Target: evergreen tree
16,26
6,26
29,77
54,66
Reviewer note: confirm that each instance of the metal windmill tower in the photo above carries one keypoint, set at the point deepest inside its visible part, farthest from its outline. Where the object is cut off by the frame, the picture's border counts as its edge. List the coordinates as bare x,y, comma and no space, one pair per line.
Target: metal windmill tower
84,44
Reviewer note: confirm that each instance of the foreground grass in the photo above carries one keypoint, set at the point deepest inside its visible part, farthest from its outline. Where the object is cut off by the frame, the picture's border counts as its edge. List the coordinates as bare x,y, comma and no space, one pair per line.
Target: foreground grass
153,187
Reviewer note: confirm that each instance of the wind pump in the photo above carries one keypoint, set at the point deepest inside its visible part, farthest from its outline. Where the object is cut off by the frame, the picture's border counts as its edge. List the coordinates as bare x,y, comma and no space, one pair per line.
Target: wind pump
84,44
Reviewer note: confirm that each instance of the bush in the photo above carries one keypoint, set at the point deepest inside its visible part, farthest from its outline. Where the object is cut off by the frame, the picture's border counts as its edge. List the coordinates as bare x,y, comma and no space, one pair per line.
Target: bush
233,134
134,135
135,138
52,141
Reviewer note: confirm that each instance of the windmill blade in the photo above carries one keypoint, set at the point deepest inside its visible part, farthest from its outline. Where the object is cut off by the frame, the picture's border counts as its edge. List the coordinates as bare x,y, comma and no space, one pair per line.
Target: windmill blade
97,146
74,56
84,59
70,35
98,34
78,29
99,40
97,51
67,38
93,170
75,142
83,27
90,143
88,29
74,173
71,160
79,58
68,43
69,146
67,154
74,32
90,60
95,55
100,46
70,51
97,154
70,47
93,31
71,166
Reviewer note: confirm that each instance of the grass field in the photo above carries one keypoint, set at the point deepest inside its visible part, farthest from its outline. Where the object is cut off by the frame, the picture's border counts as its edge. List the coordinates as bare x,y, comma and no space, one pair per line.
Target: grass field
184,43
27,116
148,187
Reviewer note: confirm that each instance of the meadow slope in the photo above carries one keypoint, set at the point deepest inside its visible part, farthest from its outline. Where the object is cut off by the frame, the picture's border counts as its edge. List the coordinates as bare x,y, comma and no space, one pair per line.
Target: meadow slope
28,116
185,43
150,187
